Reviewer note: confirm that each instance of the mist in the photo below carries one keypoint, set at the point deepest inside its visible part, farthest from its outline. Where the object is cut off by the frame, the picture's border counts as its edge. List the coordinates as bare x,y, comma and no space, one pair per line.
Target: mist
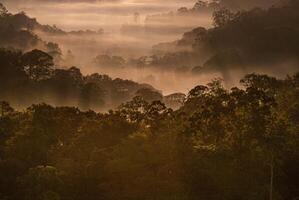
149,99
123,35
155,42
109,15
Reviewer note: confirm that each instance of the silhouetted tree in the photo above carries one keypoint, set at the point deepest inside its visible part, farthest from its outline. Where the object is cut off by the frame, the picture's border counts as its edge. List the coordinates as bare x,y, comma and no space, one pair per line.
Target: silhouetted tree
200,5
3,10
149,95
222,16
38,65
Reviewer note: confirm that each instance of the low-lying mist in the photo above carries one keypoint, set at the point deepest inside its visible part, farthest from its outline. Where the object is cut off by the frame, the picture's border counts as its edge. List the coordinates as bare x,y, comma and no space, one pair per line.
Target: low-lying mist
161,46
133,39
85,14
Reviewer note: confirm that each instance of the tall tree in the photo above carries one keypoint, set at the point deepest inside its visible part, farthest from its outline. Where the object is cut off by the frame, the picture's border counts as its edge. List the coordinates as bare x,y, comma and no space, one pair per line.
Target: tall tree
37,64
222,16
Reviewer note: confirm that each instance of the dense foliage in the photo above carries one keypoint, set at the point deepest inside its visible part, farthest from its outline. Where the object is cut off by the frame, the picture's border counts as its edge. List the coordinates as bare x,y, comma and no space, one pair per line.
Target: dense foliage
16,31
251,40
32,77
221,144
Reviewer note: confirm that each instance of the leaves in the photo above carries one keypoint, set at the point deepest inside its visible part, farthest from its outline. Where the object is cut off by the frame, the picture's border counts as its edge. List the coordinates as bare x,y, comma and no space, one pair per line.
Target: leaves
220,144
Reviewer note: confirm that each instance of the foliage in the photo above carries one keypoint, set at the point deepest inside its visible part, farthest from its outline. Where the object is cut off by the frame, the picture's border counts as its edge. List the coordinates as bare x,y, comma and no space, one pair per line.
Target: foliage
32,77
3,10
220,144
248,40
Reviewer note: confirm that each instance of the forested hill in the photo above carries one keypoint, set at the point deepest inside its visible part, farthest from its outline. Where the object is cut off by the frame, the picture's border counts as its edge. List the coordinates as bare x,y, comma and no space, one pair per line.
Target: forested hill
69,136
247,5
221,144
21,21
32,77
19,31
254,40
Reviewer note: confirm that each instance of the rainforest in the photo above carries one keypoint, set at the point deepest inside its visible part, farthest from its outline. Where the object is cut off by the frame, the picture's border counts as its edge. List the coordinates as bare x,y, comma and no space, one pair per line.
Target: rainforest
149,100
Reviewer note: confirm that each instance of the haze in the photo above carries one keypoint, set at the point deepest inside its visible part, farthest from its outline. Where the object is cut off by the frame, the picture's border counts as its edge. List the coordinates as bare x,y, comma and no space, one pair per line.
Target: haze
149,100
112,16
84,14
139,30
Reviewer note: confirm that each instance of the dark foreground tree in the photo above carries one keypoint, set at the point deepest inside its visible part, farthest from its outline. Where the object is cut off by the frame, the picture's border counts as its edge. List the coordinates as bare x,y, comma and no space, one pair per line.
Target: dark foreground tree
221,144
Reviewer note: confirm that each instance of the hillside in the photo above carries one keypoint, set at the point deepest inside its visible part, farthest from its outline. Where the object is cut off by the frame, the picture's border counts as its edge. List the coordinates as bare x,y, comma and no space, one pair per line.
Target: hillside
32,77
245,40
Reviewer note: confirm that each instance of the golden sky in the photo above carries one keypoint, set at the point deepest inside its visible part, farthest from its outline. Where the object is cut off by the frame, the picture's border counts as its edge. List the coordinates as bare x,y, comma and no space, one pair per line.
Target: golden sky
92,14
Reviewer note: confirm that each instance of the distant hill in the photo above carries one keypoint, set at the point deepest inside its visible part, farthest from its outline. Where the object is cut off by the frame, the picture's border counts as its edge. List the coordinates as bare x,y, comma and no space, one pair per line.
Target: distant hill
257,39
32,77
22,32
175,22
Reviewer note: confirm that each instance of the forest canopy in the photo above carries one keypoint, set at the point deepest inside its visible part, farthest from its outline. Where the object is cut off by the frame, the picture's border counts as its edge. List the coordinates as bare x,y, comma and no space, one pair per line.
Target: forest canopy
221,144
248,40
81,120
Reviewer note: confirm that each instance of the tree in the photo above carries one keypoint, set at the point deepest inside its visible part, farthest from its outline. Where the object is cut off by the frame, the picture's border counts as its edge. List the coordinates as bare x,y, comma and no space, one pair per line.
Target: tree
149,95
54,51
137,17
197,92
41,183
92,97
5,108
109,61
3,10
183,10
222,16
134,110
38,65
200,4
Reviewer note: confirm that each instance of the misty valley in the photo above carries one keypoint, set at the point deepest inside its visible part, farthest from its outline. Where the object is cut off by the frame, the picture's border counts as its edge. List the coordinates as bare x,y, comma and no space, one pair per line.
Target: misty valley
149,100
